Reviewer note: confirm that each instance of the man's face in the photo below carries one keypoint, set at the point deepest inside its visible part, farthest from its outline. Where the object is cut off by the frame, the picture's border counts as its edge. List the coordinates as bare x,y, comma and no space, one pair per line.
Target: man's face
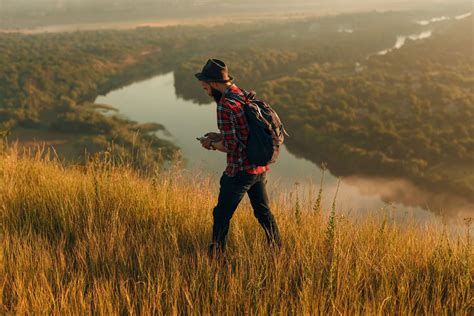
211,91
207,87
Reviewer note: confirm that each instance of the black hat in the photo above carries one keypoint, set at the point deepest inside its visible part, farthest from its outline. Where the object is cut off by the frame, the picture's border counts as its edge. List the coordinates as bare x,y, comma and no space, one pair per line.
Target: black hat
214,71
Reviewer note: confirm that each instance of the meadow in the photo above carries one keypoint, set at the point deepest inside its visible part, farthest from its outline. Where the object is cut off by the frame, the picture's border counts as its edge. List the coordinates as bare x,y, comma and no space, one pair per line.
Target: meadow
104,238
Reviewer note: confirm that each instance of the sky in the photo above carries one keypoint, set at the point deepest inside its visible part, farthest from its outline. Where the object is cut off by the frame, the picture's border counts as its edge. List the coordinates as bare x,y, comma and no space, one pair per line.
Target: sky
31,13
59,4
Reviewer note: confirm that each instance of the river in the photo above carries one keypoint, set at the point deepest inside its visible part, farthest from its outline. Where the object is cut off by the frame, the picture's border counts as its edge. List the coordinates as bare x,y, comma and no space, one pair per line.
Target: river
444,18
154,100
402,39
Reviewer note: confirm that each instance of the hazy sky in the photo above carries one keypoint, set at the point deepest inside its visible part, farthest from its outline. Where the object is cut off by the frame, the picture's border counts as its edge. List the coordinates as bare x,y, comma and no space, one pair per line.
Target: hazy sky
62,3
28,13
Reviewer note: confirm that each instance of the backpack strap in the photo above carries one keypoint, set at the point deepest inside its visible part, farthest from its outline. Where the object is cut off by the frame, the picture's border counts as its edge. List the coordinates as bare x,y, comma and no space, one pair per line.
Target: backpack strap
238,98
248,97
251,96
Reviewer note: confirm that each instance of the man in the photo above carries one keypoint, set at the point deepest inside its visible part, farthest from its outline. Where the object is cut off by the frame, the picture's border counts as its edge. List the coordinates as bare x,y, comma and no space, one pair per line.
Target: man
240,176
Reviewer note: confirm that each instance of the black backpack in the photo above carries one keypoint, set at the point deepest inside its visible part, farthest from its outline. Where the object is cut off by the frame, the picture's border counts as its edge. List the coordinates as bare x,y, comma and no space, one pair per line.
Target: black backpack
266,131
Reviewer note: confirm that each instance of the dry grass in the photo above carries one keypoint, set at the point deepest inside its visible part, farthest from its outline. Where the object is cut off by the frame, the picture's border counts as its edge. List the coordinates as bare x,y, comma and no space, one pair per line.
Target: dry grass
102,239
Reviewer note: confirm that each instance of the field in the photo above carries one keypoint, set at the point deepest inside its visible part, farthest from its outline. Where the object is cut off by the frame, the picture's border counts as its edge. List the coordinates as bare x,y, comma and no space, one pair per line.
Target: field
105,239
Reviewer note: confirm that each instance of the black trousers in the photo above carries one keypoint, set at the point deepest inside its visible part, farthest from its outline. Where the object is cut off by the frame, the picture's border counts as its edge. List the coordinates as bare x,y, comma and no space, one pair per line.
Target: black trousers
232,190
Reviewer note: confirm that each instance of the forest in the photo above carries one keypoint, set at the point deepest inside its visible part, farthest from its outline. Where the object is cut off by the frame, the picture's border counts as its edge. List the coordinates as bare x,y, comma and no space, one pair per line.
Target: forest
406,113
410,113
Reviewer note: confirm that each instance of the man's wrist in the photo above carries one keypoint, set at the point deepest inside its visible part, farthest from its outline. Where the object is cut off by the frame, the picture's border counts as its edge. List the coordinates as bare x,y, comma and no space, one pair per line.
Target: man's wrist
211,145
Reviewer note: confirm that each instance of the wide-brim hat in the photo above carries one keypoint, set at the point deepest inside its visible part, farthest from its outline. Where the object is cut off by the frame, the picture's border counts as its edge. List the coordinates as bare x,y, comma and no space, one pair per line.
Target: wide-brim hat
214,70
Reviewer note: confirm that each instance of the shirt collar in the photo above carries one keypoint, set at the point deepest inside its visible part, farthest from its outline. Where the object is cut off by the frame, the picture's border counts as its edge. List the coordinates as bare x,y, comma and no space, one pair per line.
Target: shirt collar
231,89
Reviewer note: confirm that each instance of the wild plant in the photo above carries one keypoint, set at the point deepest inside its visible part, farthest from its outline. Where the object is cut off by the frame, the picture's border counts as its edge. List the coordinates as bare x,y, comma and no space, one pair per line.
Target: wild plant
317,204
297,210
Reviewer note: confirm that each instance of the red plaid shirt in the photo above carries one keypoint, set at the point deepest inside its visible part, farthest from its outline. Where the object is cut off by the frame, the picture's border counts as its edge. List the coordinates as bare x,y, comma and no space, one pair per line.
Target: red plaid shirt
233,126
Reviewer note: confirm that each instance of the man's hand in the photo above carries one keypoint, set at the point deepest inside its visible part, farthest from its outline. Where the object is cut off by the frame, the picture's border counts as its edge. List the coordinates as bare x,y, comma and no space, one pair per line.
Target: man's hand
251,95
206,143
219,146
214,136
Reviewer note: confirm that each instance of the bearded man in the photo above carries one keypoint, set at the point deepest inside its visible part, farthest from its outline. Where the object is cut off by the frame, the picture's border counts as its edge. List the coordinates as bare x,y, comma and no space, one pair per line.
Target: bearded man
240,176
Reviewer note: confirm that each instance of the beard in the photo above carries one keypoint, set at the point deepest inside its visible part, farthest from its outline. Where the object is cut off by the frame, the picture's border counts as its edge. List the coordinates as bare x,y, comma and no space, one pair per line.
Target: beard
216,95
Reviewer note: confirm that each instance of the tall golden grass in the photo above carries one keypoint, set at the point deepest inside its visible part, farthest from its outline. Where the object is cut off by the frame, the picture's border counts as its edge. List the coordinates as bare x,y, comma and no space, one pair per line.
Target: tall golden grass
103,239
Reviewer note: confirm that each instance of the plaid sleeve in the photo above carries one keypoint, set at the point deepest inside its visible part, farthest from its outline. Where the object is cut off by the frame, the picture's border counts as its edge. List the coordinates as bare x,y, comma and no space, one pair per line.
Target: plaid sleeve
227,127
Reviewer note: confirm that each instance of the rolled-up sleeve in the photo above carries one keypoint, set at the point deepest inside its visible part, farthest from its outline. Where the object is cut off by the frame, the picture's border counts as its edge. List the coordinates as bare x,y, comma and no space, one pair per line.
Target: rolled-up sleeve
227,127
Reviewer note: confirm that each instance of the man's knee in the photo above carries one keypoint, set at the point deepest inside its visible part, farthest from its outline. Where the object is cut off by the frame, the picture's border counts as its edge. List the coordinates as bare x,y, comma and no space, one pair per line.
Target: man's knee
220,214
262,212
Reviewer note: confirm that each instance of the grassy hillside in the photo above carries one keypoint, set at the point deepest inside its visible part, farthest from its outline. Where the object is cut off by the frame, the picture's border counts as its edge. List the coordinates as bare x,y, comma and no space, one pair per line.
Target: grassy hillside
104,239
